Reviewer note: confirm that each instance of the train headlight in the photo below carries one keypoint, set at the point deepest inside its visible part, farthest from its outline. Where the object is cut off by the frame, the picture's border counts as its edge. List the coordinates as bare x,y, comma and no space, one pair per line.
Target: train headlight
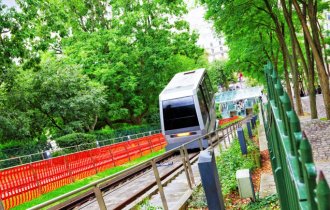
183,134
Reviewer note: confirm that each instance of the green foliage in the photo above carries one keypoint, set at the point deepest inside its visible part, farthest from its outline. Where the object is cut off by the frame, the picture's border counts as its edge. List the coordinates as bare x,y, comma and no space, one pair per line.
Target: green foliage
74,139
217,111
256,108
249,36
268,202
108,133
198,199
220,74
57,97
232,160
145,204
16,148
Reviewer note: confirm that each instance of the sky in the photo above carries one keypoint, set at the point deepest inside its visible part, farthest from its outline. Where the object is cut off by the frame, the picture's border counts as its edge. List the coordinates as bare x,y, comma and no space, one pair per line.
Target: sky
9,3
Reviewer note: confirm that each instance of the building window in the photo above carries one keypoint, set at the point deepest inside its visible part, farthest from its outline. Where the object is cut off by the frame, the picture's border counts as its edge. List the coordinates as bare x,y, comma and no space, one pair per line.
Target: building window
328,16
212,51
211,44
221,48
220,42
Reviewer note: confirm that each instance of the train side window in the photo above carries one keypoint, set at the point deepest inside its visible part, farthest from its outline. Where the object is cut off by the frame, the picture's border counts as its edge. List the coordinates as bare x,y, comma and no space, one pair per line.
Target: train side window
202,105
209,86
206,92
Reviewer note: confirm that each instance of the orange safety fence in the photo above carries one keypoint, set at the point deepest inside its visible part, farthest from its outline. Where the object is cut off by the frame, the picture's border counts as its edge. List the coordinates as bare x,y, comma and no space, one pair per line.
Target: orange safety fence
51,174
228,120
26,182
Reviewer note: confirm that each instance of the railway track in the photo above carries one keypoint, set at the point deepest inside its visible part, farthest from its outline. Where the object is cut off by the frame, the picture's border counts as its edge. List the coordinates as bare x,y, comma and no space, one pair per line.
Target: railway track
124,188
137,182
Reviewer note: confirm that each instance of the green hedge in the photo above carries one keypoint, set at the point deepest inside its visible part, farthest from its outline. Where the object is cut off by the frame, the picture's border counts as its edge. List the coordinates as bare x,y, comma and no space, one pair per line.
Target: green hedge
74,139
15,148
110,134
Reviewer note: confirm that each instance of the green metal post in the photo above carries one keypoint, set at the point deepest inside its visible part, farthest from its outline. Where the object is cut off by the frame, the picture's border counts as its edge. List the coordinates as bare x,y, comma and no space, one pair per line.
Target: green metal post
323,193
309,171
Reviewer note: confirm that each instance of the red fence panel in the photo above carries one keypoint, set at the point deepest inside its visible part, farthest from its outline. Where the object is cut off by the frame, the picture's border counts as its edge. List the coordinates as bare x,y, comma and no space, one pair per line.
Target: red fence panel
156,142
52,174
144,145
133,149
80,165
119,153
102,158
23,183
18,185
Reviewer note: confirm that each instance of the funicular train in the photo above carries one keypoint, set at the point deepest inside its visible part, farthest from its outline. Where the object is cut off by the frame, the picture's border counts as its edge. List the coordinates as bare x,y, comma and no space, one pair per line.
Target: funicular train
187,109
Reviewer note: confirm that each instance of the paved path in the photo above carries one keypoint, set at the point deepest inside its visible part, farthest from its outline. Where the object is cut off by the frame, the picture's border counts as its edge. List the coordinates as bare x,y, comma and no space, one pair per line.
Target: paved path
318,133
267,183
319,104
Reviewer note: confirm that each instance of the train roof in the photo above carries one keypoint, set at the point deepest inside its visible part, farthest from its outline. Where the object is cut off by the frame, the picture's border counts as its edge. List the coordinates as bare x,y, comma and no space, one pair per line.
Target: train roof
182,84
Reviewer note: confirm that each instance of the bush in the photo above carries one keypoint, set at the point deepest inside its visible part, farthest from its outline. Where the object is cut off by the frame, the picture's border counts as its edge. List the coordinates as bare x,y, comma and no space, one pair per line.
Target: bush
124,131
75,139
268,202
255,108
16,148
232,160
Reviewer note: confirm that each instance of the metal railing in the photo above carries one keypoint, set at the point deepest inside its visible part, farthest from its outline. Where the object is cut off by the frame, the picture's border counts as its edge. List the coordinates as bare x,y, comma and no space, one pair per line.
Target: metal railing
220,135
290,152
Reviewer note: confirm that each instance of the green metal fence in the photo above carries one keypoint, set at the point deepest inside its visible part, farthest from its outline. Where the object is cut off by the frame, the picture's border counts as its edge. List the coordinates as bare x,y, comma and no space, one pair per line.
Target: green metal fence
290,152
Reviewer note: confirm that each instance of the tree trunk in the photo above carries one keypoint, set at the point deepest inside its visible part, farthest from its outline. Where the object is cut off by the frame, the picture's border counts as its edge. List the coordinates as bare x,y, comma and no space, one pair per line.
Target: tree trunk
310,75
287,79
306,68
280,36
323,77
295,48
295,79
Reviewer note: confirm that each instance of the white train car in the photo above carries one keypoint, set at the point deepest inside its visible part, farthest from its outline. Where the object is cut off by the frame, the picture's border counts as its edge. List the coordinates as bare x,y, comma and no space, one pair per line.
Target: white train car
187,108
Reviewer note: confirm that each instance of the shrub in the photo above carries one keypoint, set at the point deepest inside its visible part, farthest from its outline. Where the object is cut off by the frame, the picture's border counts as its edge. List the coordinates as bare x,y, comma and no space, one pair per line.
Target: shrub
124,131
75,139
255,108
268,202
232,160
16,148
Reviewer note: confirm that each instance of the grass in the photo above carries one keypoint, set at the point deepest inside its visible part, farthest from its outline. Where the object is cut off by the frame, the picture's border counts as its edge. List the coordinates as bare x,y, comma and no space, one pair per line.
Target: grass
323,119
80,183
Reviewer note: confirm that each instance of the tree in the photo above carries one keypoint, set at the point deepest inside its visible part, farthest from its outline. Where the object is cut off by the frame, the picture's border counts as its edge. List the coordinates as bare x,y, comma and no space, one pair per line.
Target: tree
58,97
220,74
133,51
267,20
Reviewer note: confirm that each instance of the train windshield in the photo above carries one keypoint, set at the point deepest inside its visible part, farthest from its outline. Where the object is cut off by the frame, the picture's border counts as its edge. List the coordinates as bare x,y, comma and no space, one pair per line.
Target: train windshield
179,113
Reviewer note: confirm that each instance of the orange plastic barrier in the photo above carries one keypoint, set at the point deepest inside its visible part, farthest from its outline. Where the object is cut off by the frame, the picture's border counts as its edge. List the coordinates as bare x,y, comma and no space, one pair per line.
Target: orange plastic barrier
102,158
18,185
51,174
26,182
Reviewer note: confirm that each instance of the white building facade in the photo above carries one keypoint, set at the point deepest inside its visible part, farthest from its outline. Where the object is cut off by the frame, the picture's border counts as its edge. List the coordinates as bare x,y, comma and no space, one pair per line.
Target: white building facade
213,44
